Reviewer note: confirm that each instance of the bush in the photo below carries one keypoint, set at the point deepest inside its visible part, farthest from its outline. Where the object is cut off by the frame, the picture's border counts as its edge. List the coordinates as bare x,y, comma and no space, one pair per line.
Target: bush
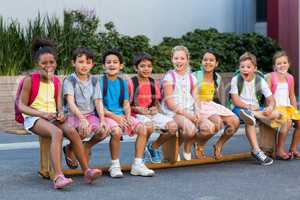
81,28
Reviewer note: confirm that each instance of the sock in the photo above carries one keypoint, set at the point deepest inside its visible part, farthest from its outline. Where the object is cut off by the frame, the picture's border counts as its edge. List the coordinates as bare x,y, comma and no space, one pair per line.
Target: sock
138,161
255,151
115,162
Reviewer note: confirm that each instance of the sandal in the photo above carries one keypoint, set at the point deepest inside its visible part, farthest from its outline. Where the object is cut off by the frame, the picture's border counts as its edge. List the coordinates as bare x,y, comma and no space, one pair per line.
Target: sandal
199,151
217,152
61,181
71,163
91,174
295,154
284,156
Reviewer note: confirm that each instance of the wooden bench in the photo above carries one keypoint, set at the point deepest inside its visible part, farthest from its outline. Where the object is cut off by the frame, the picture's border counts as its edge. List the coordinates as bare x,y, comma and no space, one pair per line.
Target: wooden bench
170,152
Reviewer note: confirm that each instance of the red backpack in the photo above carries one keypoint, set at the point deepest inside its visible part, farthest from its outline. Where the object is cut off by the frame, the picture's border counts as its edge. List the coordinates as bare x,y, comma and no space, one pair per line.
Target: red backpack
35,85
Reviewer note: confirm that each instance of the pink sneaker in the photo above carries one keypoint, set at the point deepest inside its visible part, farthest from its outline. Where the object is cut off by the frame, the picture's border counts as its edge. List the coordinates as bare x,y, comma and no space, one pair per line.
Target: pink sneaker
91,174
61,181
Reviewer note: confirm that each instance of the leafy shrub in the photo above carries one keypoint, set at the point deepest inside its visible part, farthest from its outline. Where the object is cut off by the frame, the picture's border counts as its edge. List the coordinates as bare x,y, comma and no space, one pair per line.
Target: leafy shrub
81,28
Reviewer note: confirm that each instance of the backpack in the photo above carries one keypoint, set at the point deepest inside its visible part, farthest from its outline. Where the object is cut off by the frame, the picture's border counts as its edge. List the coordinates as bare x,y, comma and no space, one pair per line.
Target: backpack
259,76
217,83
35,85
135,82
172,73
104,89
290,80
74,81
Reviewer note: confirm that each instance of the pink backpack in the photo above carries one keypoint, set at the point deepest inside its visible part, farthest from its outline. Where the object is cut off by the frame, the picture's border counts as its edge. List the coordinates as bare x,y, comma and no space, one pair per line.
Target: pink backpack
290,80
35,85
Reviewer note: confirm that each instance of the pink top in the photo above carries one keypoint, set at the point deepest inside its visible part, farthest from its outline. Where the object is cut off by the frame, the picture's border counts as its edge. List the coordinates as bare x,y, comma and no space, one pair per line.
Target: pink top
144,93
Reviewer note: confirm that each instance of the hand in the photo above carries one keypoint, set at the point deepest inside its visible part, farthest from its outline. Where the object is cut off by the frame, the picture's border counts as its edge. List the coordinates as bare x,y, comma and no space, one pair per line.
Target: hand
122,121
267,111
103,126
199,119
48,116
60,117
153,110
83,128
253,107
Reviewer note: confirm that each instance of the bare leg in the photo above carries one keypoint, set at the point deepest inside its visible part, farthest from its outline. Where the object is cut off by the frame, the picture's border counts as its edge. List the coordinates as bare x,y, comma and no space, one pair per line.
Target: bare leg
44,128
114,144
141,140
172,129
296,140
232,125
252,138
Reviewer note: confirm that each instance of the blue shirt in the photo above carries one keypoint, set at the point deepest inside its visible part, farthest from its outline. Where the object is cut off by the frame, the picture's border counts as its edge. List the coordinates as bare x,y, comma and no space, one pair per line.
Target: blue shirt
111,100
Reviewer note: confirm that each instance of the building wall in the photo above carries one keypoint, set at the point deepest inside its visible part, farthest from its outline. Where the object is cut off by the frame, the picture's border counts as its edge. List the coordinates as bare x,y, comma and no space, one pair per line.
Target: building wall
155,18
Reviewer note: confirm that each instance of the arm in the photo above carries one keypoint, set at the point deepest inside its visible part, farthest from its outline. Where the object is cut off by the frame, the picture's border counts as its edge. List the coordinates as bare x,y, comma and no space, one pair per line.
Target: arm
60,113
293,97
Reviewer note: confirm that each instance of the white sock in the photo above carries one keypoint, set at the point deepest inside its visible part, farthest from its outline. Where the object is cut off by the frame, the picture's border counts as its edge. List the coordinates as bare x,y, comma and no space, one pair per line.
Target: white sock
115,162
138,161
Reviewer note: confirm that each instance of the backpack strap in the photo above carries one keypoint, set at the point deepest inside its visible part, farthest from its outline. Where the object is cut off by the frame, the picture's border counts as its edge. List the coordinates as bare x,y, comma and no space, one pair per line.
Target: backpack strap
56,83
35,86
258,89
135,83
174,79
94,81
273,82
290,80
122,88
104,88
240,84
153,92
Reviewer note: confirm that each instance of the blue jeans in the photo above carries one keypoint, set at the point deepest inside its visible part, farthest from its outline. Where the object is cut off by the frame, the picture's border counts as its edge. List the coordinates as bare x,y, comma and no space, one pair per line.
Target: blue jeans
237,112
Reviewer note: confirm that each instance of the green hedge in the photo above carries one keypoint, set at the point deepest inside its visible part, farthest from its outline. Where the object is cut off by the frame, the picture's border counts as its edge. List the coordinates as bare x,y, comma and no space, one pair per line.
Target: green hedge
82,29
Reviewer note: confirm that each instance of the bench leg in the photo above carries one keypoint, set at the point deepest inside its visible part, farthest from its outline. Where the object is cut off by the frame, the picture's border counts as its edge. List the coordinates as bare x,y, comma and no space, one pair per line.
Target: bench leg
267,139
46,170
171,149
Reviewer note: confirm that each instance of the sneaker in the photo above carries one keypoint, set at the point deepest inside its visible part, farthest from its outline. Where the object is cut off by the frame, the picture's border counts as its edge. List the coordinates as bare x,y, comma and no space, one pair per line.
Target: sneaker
262,158
141,170
248,117
155,156
115,171
187,156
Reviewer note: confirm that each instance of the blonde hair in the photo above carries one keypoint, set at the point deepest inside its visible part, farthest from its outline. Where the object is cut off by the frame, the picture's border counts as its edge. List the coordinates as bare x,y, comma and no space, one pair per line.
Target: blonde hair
180,48
248,56
279,54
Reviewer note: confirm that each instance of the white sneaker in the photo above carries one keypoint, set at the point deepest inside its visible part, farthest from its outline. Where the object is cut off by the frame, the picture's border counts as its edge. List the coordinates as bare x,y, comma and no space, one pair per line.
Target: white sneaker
141,170
115,171
187,156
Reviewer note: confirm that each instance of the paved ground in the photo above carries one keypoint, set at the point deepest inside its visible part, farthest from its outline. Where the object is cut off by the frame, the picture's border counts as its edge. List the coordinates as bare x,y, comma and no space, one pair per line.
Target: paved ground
231,180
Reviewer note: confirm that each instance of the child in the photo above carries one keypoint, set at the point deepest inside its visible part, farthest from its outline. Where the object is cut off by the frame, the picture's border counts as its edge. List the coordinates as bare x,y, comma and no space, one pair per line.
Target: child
207,90
118,116
44,116
281,84
178,102
144,96
84,102
247,89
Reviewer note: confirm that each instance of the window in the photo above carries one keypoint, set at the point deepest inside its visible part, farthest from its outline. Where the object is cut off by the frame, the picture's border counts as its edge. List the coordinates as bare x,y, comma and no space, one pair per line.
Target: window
261,10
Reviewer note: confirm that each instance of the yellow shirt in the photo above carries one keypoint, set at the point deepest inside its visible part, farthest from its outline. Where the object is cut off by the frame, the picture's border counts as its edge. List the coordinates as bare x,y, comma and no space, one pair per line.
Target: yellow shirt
206,91
44,100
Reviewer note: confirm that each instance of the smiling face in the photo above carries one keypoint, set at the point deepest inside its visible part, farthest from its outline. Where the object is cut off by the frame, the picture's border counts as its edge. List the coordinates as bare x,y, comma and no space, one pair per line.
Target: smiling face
144,69
209,62
282,65
83,65
112,65
180,61
247,69
47,64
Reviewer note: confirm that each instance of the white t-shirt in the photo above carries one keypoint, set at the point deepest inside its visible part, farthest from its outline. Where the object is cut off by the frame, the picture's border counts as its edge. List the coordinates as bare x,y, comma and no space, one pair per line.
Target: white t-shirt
247,94
282,95
182,96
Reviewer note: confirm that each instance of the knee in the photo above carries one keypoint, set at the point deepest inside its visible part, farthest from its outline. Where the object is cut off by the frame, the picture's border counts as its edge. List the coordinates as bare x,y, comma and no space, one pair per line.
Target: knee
141,131
116,133
149,128
208,128
58,135
172,127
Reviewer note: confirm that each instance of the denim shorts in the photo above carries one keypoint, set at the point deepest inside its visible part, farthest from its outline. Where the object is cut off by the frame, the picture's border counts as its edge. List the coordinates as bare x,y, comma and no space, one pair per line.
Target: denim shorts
237,112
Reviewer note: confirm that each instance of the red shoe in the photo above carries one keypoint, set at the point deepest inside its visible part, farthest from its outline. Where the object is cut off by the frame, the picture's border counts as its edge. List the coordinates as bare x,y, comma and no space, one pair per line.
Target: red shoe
284,156
91,174
61,181
295,154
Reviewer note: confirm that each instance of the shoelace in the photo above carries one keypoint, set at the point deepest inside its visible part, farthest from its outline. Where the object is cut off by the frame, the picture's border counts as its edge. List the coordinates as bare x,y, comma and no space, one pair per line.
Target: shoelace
261,155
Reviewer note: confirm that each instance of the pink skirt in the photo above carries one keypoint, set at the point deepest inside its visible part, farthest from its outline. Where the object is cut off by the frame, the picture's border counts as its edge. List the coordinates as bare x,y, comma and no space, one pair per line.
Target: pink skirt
129,131
209,108
93,120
